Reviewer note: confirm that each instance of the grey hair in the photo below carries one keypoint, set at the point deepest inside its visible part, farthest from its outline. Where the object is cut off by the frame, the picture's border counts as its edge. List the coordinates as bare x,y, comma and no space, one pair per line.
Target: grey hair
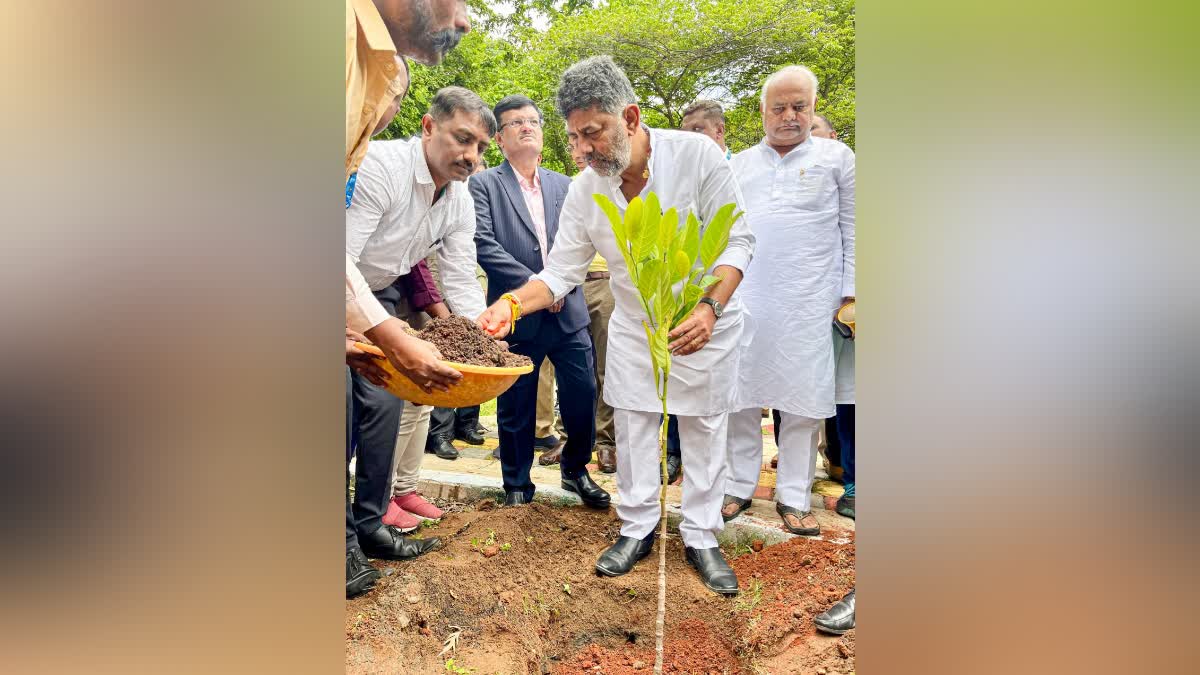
594,82
789,70
449,100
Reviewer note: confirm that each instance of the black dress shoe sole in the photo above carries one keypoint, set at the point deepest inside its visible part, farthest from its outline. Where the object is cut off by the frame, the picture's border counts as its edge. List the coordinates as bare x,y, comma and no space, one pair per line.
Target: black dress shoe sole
600,505
427,545
832,631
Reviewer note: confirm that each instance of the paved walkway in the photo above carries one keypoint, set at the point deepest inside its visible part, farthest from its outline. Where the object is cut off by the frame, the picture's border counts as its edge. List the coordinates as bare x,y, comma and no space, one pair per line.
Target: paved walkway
476,466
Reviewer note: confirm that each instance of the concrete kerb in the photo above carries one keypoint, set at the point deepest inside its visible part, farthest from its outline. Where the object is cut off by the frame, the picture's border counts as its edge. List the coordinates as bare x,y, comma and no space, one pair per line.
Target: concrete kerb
467,488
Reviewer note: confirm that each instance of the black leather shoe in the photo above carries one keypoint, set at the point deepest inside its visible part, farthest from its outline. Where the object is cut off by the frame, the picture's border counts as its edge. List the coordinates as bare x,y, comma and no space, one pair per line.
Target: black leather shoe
515,499
469,436
718,576
619,558
546,442
360,574
837,619
442,448
389,544
591,494
674,466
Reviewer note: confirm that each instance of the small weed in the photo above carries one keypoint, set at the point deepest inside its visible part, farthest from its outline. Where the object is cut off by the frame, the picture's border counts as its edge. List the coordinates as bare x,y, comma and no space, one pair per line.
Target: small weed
631,592
567,589
749,599
528,540
505,546
427,523
452,667
491,539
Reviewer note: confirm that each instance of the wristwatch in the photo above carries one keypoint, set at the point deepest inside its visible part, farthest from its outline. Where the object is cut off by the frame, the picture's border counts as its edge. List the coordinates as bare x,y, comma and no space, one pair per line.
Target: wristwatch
717,308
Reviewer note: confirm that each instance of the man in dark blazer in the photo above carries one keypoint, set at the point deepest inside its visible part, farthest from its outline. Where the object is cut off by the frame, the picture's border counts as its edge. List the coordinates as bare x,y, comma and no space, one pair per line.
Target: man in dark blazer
516,219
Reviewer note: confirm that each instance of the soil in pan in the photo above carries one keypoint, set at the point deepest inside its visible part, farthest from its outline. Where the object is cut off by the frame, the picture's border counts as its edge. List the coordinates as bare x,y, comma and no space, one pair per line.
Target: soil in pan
513,591
461,341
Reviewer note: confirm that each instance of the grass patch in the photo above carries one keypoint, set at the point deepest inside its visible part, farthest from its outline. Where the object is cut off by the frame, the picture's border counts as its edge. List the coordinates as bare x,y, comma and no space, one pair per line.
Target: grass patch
748,599
488,408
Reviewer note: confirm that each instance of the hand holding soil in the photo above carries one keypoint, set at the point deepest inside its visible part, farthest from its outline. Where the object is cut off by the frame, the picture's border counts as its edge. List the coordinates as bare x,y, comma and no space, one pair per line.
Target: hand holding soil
364,363
415,358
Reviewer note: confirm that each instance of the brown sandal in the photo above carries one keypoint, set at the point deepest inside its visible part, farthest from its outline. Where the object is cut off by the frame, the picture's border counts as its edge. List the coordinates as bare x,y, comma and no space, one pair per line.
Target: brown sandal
785,511
742,505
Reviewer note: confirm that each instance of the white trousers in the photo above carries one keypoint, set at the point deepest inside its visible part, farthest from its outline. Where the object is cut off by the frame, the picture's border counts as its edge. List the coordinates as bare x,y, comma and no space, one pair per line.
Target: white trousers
702,441
410,448
797,457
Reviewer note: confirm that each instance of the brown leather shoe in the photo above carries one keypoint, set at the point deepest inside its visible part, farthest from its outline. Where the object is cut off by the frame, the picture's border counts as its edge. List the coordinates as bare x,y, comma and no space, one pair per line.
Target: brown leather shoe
551,457
606,458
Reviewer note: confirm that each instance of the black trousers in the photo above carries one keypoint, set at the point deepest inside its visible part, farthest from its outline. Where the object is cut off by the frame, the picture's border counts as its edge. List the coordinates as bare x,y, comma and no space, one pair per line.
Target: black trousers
376,416
373,422
516,409
844,428
448,422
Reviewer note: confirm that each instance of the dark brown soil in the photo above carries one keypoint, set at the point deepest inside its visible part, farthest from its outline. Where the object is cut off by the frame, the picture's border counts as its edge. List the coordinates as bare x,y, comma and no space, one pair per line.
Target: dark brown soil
460,340
536,606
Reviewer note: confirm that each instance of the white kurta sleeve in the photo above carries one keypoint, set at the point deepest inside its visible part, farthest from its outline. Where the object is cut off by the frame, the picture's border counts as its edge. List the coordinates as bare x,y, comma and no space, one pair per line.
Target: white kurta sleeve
572,253
719,187
456,264
846,222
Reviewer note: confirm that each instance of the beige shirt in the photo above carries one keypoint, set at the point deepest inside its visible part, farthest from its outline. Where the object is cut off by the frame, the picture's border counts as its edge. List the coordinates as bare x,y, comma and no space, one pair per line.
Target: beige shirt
372,80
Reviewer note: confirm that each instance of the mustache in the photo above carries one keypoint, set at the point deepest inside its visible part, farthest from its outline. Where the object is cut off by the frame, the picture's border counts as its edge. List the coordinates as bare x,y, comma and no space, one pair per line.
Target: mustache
446,40
465,166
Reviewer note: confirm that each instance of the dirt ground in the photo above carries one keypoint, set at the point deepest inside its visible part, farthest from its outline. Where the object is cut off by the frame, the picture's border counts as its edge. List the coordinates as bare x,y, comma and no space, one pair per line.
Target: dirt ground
513,591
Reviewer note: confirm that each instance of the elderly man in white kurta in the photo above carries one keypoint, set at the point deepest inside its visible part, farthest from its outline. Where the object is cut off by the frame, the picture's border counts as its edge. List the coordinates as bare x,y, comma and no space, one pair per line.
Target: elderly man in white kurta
687,171
800,204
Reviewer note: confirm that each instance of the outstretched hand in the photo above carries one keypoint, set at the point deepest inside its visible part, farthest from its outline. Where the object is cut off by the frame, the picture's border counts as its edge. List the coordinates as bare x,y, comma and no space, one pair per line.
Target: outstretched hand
496,320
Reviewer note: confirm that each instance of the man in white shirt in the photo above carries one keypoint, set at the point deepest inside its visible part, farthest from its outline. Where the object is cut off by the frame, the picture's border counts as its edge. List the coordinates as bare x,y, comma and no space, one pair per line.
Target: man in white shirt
410,199
800,199
687,172
708,118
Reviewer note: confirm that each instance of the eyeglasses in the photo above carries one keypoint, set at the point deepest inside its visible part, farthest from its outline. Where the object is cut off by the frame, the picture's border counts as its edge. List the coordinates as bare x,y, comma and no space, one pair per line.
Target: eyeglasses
516,124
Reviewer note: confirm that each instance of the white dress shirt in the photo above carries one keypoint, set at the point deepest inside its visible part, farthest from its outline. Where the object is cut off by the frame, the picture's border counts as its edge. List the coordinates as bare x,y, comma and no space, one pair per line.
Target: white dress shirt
801,209
688,172
392,224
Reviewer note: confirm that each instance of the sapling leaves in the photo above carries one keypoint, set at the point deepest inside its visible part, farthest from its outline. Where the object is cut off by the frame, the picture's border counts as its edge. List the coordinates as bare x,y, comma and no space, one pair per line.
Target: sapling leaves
691,296
691,239
658,347
651,217
666,226
716,235
634,226
614,218
680,266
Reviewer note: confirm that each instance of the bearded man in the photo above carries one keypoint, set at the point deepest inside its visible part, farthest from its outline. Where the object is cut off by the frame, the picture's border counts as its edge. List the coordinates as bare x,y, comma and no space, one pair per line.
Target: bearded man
625,160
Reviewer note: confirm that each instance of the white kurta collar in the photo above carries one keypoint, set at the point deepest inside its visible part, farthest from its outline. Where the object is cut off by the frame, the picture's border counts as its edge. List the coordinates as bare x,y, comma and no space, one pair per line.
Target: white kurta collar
800,149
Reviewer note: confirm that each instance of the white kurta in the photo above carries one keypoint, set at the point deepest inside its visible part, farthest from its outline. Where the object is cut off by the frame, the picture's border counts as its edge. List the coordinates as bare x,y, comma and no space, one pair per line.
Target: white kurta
687,172
801,210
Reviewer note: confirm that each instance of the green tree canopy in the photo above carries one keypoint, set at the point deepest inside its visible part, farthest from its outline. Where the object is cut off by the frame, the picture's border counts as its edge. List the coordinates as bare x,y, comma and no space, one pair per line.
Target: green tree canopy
674,51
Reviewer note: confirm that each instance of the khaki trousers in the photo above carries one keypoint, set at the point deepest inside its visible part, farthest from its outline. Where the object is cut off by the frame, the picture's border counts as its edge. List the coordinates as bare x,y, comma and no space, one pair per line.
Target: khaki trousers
414,423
